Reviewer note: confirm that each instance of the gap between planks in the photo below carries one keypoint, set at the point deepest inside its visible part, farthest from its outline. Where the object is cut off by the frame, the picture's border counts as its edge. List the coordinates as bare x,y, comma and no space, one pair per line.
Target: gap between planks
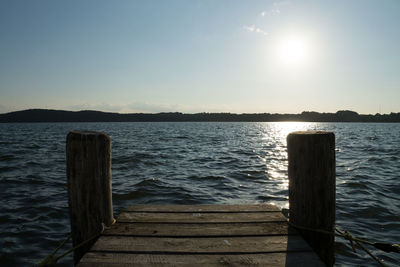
212,235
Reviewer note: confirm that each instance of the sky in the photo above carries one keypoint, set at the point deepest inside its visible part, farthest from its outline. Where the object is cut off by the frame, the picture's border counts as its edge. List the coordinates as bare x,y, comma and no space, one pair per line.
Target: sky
200,56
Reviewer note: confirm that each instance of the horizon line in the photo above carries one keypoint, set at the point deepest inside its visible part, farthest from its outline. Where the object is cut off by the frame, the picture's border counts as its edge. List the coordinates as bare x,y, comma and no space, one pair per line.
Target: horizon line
193,113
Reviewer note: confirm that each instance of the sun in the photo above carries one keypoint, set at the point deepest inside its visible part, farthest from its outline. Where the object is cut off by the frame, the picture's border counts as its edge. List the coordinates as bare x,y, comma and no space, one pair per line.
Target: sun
293,50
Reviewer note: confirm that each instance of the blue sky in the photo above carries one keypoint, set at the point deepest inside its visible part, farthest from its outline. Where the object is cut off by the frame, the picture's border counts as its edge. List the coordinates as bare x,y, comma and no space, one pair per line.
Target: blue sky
200,56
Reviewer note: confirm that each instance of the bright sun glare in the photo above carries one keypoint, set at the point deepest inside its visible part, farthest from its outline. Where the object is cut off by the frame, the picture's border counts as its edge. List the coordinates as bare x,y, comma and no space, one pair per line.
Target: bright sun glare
293,50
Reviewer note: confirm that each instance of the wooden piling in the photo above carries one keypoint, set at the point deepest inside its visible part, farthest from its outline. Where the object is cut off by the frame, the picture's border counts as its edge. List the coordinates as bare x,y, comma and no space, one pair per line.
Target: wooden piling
312,188
89,186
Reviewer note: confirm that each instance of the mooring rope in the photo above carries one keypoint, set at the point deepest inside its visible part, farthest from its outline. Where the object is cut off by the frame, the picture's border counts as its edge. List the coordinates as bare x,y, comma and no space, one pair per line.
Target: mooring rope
386,247
51,259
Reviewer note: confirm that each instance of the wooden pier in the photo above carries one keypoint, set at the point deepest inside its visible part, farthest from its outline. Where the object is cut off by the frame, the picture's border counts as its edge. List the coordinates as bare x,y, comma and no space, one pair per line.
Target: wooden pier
208,235
196,235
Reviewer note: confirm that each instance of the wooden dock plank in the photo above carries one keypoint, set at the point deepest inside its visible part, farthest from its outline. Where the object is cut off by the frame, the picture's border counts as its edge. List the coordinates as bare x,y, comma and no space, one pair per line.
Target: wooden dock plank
206,229
202,208
267,259
244,244
194,235
199,217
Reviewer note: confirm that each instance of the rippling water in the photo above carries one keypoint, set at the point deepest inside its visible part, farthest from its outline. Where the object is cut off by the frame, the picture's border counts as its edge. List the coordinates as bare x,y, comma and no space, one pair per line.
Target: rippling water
194,163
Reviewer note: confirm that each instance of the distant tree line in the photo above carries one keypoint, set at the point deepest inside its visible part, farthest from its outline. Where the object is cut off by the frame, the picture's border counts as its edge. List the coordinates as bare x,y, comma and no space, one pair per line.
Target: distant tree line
45,115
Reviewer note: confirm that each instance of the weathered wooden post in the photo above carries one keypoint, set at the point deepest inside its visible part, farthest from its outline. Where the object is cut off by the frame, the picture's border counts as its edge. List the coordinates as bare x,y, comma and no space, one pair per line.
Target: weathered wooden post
312,188
89,186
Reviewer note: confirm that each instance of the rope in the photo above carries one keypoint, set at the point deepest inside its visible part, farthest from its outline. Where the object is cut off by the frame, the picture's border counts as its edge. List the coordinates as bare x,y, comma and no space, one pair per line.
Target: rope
51,259
346,235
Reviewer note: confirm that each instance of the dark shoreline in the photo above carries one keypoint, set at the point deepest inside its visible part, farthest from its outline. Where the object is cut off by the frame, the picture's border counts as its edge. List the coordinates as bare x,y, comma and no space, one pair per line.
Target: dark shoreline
46,115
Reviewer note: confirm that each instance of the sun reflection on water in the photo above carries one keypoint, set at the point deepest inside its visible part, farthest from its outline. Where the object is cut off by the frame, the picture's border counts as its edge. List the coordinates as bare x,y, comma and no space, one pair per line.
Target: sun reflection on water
282,129
275,156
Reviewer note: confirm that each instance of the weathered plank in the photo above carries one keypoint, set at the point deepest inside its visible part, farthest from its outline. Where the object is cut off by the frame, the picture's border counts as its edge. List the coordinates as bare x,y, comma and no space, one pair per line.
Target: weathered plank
206,229
202,208
247,244
267,259
197,217
204,235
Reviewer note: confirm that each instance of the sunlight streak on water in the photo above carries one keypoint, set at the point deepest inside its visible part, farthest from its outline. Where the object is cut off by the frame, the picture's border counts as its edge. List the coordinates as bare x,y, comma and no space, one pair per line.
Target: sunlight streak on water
282,129
275,135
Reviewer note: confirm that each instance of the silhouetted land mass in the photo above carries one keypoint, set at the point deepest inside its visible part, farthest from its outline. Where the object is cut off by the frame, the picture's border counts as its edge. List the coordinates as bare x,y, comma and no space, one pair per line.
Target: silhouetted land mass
45,115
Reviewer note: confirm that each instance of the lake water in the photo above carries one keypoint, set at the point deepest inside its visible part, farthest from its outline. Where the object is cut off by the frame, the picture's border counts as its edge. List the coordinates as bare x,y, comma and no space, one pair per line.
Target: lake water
194,163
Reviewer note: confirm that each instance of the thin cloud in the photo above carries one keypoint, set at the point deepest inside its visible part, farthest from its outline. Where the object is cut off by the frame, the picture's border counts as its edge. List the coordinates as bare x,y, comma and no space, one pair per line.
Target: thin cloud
276,9
4,109
7,108
134,107
272,12
280,5
149,107
249,28
258,30
153,107
253,28
97,106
